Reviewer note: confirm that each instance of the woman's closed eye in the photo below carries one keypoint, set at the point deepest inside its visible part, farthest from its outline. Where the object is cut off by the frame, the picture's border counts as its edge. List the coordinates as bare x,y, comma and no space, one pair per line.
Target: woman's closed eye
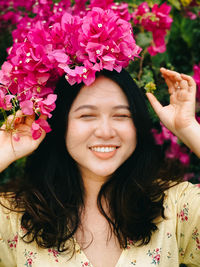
122,116
87,116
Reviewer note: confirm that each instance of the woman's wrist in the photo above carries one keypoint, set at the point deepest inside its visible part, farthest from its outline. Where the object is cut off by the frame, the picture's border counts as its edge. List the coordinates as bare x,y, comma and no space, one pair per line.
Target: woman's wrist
190,136
6,158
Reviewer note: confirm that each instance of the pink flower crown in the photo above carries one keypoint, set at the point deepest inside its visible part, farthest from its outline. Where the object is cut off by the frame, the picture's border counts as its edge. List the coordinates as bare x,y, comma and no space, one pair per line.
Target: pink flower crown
75,45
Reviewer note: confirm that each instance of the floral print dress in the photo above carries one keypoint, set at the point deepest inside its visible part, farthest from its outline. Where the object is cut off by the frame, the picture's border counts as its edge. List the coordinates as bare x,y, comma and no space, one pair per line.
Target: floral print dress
176,241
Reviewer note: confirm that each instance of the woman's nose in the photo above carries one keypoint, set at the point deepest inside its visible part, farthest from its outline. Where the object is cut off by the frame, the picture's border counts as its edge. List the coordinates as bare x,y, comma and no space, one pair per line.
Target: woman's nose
105,129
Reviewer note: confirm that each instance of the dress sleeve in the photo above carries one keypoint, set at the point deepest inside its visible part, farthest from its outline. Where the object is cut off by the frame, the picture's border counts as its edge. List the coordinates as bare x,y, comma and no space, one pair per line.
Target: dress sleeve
188,224
8,237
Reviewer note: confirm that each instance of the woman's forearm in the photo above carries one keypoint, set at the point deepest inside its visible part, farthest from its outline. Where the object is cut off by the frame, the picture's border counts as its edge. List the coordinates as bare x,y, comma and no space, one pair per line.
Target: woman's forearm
190,136
5,160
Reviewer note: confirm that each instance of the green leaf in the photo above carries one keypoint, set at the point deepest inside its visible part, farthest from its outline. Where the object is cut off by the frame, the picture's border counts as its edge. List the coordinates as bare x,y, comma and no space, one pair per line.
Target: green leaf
144,39
175,3
187,31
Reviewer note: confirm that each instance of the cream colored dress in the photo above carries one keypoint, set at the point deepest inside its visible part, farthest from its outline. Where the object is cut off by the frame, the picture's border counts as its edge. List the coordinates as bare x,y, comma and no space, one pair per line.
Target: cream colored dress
177,240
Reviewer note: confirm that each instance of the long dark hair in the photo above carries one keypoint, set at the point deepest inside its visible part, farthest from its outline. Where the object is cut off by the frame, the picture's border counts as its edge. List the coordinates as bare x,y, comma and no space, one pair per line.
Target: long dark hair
51,194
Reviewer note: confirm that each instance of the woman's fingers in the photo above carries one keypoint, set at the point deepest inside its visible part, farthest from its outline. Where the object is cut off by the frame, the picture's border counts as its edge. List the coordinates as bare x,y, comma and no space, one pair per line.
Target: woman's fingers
29,120
43,117
170,85
154,102
183,85
190,81
18,118
172,79
173,75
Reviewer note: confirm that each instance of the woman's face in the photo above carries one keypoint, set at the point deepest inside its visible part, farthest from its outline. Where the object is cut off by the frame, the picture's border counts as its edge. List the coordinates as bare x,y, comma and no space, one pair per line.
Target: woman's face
101,134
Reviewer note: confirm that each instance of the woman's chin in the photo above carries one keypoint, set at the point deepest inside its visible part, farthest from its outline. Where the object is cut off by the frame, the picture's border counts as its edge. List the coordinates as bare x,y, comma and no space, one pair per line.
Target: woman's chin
98,174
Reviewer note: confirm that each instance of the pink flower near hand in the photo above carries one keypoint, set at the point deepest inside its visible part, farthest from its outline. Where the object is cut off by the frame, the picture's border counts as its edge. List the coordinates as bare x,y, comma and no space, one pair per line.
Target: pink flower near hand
5,101
5,73
47,105
196,77
38,126
27,107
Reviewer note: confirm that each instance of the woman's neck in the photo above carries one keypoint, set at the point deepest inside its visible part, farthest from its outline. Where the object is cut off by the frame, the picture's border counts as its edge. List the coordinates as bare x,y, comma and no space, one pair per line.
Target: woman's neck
92,188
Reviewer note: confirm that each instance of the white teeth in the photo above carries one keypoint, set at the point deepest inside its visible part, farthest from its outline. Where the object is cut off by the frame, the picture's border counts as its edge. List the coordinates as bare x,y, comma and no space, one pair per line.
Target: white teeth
103,149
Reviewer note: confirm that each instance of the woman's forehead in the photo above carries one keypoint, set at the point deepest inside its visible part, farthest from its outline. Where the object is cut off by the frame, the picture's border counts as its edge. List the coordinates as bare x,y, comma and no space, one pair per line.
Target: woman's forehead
103,89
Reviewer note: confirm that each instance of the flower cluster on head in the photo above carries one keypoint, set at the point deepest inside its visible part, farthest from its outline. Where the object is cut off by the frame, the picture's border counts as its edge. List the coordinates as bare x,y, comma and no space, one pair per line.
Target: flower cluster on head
62,40
155,20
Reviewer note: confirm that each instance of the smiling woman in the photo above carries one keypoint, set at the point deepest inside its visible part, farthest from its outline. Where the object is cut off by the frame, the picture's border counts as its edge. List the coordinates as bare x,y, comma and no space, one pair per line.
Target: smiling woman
93,187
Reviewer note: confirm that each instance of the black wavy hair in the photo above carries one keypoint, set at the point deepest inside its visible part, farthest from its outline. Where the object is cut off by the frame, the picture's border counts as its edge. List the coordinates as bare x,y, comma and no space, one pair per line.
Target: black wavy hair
51,195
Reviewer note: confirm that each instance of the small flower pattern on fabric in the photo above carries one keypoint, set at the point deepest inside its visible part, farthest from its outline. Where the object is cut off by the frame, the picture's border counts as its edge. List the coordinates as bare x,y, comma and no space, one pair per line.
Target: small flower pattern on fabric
134,262
55,254
129,243
191,256
196,237
169,235
85,264
155,255
13,242
169,255
29,256
181,252
183,215
182,235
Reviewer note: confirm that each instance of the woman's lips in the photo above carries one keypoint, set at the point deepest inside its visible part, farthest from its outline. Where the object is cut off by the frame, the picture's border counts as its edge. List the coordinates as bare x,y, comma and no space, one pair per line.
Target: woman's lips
104,152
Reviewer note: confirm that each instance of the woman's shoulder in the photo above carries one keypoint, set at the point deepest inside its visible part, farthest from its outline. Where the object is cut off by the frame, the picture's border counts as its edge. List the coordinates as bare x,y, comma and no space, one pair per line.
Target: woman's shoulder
9,213
183,190
183,196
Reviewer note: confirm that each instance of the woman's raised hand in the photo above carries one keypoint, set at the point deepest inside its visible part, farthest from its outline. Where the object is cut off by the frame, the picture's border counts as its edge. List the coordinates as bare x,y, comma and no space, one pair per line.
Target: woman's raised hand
17,143
179,115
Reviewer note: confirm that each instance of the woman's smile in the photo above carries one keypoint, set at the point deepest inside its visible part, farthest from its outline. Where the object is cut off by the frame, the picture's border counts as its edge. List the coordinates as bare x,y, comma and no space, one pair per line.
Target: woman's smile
104,152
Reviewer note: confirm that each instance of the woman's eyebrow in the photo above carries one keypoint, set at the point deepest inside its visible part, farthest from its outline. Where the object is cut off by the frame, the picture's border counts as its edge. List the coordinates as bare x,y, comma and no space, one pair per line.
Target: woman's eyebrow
121,106
86,106
95,108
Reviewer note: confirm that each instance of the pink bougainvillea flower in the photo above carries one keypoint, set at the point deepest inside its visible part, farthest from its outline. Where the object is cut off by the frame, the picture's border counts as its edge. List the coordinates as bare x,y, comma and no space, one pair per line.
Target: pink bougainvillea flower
175,150
94,38
38,126
5,73
188,176
47,105
79,7
104,4
196,77
141,10
155,20
190,15
121,9
27,107
158,43
5,101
